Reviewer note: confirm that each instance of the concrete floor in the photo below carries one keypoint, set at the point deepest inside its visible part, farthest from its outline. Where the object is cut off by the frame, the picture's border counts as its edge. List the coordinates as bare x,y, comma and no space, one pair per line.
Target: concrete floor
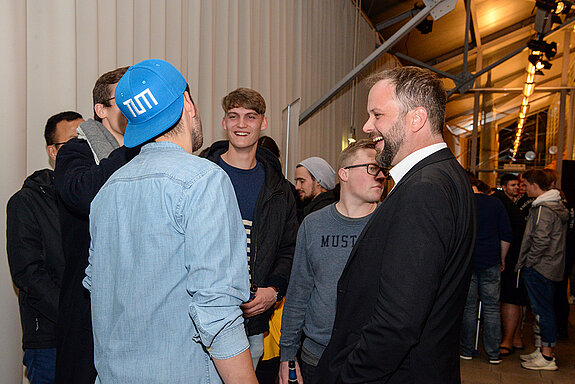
479,371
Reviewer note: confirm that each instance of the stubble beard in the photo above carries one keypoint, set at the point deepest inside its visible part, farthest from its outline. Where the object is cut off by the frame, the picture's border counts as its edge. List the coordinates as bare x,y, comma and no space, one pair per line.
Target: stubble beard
197,134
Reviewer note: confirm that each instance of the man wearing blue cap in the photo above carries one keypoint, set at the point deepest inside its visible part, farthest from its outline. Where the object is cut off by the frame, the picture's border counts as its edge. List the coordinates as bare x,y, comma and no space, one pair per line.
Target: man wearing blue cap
167,271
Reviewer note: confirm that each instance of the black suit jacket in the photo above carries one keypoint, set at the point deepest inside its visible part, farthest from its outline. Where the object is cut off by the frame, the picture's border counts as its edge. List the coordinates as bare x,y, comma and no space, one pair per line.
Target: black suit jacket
401,295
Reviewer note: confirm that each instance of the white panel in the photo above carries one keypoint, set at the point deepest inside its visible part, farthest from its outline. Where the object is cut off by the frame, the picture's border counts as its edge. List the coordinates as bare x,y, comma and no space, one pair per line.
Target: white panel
158,29
125,33
13,170
141,30
107,36
173,43
87,54
51,50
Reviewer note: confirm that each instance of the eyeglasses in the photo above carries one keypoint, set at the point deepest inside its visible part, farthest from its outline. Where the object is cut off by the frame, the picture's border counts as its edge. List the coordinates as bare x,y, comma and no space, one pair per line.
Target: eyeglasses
56,144
371,169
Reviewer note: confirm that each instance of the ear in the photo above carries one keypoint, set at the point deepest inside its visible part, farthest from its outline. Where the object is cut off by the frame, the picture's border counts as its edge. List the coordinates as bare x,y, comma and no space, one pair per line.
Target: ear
342,173
52,152
100,110
189,105
418,119
264,123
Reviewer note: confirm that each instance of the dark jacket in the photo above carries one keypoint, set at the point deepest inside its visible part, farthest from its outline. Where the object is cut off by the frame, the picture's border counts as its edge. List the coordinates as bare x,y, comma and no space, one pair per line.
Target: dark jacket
517,220
322,200
35,256
401,295
274,231
78,179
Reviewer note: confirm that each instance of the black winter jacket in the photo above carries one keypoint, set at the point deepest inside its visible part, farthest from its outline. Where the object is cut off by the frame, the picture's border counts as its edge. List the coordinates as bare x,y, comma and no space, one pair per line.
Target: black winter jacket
274,231
78,179
35,257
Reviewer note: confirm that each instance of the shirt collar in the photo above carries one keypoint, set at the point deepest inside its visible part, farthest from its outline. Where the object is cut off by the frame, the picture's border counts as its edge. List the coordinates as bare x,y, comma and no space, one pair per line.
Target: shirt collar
409,161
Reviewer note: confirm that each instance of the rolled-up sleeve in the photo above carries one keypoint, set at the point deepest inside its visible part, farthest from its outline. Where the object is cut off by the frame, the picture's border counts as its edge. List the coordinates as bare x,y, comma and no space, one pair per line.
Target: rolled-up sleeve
216,262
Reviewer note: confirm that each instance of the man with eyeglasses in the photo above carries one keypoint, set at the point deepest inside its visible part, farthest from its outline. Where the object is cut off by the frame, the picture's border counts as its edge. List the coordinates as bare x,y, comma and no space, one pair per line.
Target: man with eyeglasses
315,184
35,255
83,166
324,242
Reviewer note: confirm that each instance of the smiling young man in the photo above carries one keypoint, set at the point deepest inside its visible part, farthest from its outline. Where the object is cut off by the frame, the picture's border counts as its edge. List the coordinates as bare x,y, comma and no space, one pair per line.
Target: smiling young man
324,242
401,294
267,206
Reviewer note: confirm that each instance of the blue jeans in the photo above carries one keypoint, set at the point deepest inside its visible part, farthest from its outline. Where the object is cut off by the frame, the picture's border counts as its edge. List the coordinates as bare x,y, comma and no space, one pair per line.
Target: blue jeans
485,283
40,365
541,292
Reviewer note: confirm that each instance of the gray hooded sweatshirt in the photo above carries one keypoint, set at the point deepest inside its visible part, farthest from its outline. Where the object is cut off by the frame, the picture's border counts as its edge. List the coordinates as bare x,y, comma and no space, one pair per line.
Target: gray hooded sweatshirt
543,246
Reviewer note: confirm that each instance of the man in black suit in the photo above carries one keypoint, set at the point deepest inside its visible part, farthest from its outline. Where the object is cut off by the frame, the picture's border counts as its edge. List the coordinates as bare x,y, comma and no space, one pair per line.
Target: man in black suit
401,295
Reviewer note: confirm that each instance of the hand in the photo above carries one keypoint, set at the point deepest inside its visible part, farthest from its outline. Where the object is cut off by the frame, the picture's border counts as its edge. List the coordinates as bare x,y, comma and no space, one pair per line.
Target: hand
502,266
284,372
263,299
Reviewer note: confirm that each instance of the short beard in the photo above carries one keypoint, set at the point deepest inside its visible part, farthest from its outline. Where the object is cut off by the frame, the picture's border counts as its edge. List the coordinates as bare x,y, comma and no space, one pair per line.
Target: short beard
392,143
197,134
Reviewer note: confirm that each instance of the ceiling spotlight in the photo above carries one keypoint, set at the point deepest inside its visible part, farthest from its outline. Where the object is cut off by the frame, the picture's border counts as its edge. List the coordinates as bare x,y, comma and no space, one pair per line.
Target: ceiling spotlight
546,5
563,7
425,26
540,46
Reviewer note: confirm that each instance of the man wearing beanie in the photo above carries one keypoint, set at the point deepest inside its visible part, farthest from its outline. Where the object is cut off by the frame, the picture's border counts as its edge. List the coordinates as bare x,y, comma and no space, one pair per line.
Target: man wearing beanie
315,183
167,271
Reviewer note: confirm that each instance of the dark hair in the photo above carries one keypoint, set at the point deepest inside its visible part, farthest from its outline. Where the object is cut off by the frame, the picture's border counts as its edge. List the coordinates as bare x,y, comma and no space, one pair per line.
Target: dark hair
552,175
351,150
507,178
246,98
483,187
102,92
50,129
269,144
539,177
416,87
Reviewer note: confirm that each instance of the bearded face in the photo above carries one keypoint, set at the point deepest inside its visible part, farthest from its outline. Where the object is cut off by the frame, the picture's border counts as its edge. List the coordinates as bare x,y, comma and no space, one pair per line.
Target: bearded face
392,141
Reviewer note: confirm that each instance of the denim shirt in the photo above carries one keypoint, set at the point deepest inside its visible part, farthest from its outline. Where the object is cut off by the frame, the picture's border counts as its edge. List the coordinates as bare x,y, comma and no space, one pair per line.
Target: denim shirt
167,271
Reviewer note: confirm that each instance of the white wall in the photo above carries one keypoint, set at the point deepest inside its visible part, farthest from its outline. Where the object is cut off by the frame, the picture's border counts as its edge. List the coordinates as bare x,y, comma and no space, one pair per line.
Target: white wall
54,50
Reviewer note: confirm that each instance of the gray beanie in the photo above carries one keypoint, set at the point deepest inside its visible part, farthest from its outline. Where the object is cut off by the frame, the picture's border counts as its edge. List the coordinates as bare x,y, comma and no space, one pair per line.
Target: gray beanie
321,171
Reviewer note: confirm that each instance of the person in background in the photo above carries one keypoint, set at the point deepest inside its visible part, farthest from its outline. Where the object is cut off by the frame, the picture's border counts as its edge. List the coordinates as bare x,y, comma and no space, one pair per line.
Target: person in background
494,237
561,301
315,182
35,254
83,165
513,295
542,262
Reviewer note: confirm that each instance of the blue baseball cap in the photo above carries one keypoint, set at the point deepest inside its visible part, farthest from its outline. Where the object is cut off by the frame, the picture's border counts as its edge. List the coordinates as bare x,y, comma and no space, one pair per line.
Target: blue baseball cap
151,96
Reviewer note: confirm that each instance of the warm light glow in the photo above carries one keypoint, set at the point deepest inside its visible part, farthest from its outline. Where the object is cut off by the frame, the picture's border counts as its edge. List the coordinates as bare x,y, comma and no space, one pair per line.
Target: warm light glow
528,89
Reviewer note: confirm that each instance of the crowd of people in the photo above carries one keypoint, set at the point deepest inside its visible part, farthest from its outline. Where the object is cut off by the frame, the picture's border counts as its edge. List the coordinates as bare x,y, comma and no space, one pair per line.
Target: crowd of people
137,261
523,260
